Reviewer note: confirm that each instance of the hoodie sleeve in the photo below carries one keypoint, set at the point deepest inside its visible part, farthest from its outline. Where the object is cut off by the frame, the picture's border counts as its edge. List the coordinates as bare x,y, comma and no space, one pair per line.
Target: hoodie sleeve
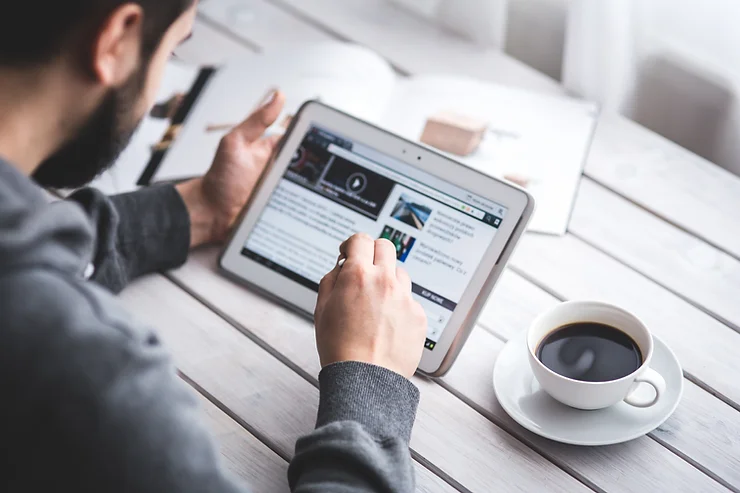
363,428
136,233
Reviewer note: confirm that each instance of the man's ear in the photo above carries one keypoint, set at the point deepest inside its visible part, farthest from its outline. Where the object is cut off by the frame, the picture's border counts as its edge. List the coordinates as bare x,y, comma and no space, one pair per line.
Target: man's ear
117,46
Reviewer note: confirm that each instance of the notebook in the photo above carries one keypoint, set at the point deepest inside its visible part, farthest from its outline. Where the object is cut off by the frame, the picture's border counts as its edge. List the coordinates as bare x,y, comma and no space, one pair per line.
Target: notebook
539,141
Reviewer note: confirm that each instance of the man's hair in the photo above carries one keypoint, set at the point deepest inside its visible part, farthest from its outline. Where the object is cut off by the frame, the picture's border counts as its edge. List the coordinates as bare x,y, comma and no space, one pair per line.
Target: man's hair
33,32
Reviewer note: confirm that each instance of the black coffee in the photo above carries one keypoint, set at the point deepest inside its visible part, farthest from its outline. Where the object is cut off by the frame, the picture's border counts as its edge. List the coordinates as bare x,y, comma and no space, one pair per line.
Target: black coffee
589,351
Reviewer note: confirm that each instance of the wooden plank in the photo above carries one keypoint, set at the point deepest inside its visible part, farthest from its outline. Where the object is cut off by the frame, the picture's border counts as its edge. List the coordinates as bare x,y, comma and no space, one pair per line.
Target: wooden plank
272,401
244,455
282,328
275,402
703,428
428,482
677,260
706,348
448,433
666,179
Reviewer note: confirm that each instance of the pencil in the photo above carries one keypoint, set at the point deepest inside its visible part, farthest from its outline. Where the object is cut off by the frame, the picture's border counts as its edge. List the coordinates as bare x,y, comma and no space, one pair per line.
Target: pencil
219,127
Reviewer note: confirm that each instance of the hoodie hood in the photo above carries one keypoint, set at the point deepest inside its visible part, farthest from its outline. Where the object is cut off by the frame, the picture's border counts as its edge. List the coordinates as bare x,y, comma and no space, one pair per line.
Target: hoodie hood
35,230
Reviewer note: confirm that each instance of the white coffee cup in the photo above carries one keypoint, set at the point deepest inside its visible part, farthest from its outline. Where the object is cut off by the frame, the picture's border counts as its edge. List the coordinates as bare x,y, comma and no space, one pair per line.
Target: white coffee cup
594,395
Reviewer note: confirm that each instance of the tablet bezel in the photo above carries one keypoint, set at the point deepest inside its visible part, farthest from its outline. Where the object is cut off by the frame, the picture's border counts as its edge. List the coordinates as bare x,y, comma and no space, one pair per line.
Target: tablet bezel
518,202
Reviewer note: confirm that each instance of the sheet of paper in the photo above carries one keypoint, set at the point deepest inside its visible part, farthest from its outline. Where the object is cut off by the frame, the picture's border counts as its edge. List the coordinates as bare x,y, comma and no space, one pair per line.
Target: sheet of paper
542,138
123,175
345,76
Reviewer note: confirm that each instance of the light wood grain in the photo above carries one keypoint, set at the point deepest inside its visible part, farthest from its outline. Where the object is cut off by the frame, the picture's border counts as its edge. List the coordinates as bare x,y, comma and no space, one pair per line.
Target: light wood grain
677,260
428,482
263,392
267,396
706,348
240,304
702,442
670,181
703,428
244,455
639,164
448,433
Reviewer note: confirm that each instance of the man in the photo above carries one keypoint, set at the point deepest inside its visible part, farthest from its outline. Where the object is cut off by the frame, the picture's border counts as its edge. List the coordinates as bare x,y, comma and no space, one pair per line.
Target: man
90,400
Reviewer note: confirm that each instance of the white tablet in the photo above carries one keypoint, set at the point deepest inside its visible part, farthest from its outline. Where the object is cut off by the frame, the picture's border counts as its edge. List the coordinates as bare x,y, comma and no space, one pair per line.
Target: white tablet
454,228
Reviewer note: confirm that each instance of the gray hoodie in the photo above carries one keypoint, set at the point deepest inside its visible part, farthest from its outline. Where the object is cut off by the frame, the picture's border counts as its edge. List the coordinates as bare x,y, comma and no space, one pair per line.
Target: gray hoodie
90,399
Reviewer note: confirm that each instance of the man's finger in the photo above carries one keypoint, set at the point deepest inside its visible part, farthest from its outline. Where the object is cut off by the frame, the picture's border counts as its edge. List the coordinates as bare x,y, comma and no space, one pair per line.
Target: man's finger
255,125
403,278
326,286
360,248
330,279
385,254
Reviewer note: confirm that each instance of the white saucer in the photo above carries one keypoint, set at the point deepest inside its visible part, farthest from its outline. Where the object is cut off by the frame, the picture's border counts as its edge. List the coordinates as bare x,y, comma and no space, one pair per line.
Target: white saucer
520,395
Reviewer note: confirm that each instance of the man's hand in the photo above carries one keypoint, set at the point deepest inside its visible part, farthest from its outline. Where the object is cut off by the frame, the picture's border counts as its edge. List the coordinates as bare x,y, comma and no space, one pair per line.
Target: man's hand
215,200
365,311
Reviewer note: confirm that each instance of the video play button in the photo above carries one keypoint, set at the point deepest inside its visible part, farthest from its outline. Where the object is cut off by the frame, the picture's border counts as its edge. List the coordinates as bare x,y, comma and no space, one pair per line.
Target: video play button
356,183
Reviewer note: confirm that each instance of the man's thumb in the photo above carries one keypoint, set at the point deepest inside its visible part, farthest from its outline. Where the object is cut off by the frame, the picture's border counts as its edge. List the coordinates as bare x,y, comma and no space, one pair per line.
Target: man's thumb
265,115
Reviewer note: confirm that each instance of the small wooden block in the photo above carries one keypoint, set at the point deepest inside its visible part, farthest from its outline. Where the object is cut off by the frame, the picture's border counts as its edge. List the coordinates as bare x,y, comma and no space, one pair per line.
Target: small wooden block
455,133
520,180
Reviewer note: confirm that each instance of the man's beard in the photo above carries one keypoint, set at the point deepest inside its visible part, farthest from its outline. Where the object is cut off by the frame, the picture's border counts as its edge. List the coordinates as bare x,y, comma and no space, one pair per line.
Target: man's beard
98,142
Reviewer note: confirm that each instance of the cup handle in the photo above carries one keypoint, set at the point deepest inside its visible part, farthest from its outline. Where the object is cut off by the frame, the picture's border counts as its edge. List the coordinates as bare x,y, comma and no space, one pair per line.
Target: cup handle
652,378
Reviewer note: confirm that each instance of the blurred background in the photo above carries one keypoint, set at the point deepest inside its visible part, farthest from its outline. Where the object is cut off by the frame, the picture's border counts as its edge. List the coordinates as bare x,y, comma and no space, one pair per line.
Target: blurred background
670,65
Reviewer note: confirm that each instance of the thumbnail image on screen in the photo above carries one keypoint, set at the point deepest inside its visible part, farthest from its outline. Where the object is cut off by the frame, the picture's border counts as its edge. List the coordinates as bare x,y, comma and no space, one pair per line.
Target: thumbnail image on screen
410,212
308,163
402,241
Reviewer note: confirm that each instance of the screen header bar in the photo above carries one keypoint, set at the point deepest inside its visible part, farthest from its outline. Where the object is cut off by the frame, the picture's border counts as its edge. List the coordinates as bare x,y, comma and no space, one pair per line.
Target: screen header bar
408,182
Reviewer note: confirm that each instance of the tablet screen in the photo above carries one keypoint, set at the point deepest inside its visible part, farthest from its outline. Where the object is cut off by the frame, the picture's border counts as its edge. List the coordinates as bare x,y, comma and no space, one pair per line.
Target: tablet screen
335,187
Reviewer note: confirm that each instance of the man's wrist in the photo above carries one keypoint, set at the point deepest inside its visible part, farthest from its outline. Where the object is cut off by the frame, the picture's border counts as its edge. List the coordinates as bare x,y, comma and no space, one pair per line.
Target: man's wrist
205,224
380,400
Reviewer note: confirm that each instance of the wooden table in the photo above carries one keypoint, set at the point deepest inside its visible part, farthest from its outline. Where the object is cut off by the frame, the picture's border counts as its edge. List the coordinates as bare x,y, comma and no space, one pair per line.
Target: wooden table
655,230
